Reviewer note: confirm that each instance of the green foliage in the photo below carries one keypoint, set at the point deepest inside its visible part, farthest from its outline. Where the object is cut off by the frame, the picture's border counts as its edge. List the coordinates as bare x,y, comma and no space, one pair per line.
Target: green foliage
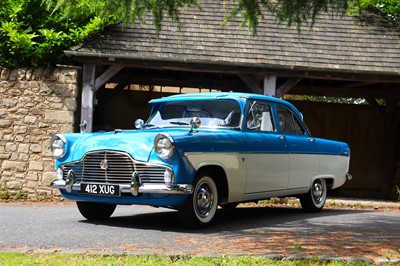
291,12
286,11
36,32
398,193
7,258
32,34
19,195
296,248
4,194
389,7
324,99
128,11
251,11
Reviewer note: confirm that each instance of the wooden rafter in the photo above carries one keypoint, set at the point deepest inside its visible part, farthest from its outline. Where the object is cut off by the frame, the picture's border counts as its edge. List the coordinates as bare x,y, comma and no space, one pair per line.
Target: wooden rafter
287,86
107,75
251,83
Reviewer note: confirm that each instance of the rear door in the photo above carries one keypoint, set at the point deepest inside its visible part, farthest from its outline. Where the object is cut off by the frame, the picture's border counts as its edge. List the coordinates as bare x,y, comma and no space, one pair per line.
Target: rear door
303,152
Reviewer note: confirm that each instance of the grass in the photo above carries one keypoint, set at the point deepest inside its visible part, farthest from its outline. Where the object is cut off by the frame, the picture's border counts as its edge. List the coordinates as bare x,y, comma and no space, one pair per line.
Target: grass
297,247
4,194
99,260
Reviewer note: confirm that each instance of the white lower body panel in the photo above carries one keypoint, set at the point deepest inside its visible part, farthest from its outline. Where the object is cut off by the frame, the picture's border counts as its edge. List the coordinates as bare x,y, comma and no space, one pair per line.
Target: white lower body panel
261,176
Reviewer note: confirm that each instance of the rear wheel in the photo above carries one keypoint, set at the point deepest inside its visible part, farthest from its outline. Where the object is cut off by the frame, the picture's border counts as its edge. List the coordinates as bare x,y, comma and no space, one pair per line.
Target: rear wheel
200,207
94,211
314,200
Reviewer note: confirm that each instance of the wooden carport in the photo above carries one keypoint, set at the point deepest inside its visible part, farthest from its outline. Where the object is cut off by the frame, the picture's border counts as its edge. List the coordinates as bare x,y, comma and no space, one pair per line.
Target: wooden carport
340,56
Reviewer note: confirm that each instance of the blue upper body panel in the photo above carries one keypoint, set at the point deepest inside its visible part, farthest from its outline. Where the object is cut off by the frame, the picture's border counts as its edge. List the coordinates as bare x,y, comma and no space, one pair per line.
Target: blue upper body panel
241,98
139,143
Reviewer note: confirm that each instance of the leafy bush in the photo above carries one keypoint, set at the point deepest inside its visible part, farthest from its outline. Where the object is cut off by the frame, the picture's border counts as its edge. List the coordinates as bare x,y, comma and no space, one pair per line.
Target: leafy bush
389,7
32,34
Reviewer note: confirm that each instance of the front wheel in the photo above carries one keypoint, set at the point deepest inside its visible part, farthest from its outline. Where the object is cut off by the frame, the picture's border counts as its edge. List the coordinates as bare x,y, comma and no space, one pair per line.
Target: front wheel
200,207
314,199
94,211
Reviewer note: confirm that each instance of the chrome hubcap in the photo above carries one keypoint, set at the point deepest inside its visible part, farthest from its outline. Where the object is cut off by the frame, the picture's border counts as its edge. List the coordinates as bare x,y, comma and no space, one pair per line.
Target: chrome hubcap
204,200
318,192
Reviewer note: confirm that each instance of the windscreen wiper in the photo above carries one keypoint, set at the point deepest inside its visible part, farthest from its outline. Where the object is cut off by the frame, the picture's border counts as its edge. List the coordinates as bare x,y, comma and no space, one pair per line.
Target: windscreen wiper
180,123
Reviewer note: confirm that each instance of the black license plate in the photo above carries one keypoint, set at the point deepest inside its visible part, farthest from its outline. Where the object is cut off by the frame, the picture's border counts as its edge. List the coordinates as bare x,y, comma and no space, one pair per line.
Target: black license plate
100,189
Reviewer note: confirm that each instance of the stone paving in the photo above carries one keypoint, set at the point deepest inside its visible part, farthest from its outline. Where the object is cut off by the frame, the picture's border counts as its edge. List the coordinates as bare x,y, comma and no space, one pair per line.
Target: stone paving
284,237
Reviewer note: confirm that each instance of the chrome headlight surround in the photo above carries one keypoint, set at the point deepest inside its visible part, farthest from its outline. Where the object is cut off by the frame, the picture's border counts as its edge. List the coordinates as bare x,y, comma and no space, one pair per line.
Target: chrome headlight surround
58,145
164,146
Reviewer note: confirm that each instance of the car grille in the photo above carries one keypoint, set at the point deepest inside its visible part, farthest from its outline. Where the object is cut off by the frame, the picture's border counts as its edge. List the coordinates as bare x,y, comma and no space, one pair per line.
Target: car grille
119,170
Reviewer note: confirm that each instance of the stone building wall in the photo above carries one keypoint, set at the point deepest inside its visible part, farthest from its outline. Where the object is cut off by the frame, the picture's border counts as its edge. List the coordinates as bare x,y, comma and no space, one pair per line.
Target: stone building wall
35,103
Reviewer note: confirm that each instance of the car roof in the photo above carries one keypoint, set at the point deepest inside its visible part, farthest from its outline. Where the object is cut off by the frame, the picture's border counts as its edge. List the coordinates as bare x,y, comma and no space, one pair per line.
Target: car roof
238,96
215,95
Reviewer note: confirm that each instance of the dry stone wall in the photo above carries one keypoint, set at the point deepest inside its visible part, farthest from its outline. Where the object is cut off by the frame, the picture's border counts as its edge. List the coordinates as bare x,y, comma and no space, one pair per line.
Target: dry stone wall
35,103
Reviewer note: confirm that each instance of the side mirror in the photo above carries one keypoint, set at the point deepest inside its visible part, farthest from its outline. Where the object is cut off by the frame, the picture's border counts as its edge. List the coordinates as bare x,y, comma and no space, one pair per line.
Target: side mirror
195,123
139,123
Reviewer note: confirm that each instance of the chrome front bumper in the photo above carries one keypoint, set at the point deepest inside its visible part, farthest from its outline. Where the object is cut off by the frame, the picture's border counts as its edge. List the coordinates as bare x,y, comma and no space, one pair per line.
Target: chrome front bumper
136,187
144,188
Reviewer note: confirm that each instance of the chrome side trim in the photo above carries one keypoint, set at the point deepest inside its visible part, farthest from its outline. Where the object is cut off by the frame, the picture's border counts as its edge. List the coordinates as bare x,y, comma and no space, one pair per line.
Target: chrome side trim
126,188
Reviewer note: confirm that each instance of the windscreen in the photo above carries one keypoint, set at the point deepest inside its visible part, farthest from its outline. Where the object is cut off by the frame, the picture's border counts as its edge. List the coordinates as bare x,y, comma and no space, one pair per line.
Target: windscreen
212,113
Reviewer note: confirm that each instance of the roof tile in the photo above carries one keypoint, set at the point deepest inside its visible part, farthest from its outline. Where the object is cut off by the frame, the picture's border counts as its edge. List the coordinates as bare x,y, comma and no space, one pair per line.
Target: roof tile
362,43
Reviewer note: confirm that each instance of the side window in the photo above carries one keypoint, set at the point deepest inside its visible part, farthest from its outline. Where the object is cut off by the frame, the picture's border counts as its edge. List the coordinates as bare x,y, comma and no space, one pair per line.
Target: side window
259,117
289,122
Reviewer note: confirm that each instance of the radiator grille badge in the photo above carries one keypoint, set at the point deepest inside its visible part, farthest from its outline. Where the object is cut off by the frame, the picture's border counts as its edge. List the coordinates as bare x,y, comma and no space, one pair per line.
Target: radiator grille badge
104,164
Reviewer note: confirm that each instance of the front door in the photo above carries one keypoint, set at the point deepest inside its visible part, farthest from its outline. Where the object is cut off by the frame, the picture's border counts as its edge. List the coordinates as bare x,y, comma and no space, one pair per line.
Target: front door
267,154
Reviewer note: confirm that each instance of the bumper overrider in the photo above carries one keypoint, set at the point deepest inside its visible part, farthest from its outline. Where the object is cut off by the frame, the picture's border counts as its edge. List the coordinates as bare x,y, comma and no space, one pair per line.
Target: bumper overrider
136,187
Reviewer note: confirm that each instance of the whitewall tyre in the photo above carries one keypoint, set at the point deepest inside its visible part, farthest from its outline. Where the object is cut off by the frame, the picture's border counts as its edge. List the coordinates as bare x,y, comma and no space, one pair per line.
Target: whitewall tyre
314,199
200,207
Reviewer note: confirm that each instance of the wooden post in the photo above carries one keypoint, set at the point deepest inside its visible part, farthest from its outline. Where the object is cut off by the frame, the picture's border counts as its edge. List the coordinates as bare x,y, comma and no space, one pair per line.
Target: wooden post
392,121
270,85
88,80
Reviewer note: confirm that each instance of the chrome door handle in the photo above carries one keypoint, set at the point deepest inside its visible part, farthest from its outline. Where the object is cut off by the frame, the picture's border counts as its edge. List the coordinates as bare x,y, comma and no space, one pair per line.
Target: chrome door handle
311,139
281,137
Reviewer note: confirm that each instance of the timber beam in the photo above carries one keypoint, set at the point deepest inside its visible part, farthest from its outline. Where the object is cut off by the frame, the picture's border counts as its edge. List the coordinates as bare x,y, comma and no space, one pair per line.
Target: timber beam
251,83
287,86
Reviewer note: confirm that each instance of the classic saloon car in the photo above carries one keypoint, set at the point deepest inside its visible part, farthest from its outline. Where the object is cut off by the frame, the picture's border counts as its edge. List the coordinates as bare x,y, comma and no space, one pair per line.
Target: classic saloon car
197,152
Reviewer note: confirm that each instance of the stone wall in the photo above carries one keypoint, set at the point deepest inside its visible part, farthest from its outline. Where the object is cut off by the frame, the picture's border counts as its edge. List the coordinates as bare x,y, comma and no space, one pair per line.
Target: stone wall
35,103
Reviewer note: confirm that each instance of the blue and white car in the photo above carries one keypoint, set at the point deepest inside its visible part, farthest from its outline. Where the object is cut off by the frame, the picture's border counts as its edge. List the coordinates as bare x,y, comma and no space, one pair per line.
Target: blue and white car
197,152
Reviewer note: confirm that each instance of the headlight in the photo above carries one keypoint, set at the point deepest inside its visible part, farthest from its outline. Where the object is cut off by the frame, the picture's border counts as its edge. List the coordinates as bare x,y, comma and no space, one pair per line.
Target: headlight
164,146
58,145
